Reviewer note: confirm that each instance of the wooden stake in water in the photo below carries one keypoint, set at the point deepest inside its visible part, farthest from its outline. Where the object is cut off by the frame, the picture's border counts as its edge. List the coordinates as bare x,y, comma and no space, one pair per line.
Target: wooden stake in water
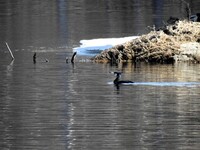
73,56
10,51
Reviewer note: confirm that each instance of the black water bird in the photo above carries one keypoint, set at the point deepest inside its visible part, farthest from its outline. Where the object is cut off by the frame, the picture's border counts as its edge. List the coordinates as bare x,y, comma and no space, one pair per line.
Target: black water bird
117,80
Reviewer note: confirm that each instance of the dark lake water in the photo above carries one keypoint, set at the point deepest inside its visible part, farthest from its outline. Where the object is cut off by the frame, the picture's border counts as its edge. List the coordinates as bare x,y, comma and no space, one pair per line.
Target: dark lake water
62,106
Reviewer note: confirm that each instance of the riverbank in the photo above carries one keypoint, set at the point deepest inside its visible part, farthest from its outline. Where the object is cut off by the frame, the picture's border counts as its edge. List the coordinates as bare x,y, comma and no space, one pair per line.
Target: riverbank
178,42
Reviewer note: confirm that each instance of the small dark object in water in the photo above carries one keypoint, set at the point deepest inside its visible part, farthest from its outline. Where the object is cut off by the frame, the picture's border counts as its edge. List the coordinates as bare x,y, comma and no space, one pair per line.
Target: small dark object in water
195,18
66,59
34,58
117,81
172,20
73,56
46,60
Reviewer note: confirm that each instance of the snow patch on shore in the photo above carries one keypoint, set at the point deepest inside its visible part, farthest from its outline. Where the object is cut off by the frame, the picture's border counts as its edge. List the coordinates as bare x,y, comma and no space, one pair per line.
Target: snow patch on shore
95,46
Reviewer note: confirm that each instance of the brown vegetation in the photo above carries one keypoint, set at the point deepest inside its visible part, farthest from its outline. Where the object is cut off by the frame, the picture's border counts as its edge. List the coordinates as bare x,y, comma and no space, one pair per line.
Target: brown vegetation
163,46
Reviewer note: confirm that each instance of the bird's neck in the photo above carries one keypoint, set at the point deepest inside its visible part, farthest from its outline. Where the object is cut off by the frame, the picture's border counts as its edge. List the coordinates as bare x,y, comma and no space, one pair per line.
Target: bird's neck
116,80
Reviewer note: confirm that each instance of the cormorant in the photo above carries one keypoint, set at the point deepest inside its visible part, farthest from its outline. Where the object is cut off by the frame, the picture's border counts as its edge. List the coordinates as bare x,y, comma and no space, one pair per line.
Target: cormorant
117,81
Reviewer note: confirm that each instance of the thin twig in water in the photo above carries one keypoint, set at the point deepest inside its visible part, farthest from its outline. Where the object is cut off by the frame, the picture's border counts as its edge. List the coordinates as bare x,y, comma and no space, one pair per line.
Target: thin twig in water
10,51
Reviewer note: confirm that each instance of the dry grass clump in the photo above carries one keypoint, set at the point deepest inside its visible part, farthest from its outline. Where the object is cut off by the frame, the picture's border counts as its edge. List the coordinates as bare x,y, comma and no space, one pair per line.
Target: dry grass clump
156,46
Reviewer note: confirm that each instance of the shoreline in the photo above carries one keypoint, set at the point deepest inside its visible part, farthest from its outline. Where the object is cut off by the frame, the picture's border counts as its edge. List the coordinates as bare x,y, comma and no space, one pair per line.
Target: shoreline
177,42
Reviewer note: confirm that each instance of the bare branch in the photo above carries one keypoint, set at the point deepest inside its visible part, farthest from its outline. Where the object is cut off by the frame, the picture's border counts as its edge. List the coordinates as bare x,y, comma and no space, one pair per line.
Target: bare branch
10,51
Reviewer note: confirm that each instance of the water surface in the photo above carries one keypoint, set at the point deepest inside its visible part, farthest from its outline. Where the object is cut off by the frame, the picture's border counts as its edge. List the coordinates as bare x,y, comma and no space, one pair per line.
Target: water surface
58,105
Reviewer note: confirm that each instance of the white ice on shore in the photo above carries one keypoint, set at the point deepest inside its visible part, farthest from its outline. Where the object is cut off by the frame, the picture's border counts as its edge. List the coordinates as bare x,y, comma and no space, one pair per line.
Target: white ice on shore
94,46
